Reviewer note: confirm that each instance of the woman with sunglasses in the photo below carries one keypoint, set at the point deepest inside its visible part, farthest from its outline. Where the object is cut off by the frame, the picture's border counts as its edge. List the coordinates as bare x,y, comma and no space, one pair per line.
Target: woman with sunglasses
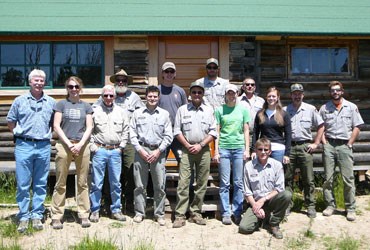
273,123
73,123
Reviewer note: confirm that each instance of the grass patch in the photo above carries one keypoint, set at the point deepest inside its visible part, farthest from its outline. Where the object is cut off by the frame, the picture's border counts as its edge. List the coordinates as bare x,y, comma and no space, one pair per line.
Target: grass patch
116,225
143,245
8,229
7,188
12,246
297,243
94,244
345,243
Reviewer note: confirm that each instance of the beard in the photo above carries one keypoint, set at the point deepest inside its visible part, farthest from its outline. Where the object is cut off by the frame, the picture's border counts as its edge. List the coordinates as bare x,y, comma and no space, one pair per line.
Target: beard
121,89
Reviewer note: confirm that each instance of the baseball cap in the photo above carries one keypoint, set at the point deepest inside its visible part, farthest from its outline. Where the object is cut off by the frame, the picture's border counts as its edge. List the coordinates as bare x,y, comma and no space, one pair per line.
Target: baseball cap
197,84
296,87
168,65
212,60
231,87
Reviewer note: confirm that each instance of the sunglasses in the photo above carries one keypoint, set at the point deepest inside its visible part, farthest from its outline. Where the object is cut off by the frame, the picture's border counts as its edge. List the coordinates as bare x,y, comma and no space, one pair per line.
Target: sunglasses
263,149
197,92
121,80
111,96
335,90
73,86
169,71
210,67
249,84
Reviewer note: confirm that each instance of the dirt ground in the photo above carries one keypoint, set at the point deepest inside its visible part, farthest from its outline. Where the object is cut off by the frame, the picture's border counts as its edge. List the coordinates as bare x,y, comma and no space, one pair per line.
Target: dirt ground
214,235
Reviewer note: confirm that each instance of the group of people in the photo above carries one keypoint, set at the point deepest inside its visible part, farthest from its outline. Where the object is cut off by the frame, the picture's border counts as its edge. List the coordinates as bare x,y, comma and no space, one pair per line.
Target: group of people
258,144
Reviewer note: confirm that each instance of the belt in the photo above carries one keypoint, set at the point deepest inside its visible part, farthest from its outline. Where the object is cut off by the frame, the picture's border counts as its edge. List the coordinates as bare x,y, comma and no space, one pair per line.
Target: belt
295,143
107,146
74,141
150,146
337,141
30,139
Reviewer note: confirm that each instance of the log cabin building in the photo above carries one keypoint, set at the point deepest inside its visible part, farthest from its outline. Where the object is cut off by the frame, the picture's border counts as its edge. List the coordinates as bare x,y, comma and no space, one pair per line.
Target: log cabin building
277,42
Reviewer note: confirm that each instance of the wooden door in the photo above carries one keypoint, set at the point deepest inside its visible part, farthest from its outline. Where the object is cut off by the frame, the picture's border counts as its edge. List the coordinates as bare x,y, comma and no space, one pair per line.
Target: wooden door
189,54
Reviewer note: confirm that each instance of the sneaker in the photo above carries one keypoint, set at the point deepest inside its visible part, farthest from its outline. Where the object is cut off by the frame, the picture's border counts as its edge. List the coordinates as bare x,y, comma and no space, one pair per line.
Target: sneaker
197,219
328,211
22,226
94,217
57,224
226,220
85,223
118,216
311,212
276,232
138,218
161,221
237,220
37,224
351,215
179,222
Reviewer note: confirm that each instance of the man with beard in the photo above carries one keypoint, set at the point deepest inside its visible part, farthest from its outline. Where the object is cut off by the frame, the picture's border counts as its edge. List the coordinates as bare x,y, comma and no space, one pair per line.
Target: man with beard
303,117
342,122
214,86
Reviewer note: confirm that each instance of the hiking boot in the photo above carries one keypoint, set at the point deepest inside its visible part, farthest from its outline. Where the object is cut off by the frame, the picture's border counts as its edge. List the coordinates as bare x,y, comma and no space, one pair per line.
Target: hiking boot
328,211
226,220
197,219
22,226
161,221
311,212
179,222
85,223
57,224
351,215
138,218
276,232
37,224
118,216
94,217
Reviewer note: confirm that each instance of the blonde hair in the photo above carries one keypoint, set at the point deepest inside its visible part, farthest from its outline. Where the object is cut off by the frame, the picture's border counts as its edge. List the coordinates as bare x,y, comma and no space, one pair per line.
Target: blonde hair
76,80
279,114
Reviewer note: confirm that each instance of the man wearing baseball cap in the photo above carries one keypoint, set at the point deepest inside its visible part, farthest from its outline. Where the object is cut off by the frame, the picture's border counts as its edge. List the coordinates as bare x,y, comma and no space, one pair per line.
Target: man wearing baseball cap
214,86
303,117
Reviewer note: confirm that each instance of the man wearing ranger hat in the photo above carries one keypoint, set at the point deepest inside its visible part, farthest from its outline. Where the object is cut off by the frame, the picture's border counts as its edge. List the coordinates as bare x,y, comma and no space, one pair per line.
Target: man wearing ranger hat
214,86
195,128
303,117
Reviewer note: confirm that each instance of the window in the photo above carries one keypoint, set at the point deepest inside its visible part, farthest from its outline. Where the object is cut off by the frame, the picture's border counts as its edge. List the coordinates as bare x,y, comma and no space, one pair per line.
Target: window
59,60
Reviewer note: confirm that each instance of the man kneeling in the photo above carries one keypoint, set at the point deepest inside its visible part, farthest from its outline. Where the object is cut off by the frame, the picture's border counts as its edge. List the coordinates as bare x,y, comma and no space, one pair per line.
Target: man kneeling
264,191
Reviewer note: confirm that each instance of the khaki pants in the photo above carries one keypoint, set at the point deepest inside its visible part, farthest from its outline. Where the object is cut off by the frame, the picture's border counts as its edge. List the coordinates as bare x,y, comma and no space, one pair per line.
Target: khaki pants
63,160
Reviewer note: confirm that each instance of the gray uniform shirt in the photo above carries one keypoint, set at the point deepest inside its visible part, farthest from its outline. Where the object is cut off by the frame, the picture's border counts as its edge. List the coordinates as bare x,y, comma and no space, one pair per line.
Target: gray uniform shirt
303,120
151,127
260,180
339,124
214,94
195,123
253,105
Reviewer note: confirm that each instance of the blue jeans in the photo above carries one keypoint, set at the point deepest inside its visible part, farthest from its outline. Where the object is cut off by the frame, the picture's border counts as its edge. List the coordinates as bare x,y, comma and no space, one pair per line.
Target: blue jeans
235,157
32,161
112,159
278,155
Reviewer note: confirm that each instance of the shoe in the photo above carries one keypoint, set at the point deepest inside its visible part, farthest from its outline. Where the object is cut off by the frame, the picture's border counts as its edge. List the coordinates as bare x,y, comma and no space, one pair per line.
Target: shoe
197,219
118,216
94,217
179,222
237,220
138,218
311,212
226,220
57,224
351,215
161,221
85,223
37,224
276,232
22,227
328,211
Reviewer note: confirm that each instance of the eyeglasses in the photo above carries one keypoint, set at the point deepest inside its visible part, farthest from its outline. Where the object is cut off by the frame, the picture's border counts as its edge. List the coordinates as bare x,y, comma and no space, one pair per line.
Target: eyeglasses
263,149
335,90
111,96
250,84
121,80
73,86
197,92
169,71
210,67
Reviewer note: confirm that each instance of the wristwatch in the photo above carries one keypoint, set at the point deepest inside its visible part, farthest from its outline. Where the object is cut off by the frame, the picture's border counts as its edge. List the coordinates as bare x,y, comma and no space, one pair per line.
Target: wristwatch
350,146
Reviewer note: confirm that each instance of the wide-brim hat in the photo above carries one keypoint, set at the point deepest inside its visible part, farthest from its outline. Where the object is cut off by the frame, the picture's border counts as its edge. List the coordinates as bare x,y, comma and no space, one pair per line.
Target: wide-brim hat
121,73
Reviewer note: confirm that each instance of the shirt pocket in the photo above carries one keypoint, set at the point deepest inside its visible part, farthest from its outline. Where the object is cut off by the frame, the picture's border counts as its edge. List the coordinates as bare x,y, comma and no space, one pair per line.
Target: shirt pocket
329,118
117,125
187,125
306,123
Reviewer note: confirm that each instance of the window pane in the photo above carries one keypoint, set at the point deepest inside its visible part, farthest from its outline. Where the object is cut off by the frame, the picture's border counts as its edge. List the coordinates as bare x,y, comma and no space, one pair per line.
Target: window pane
37,54
89,54
320,60
12,54
339,60
91,76
12,76
46,69
61,74
300,64
64,53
